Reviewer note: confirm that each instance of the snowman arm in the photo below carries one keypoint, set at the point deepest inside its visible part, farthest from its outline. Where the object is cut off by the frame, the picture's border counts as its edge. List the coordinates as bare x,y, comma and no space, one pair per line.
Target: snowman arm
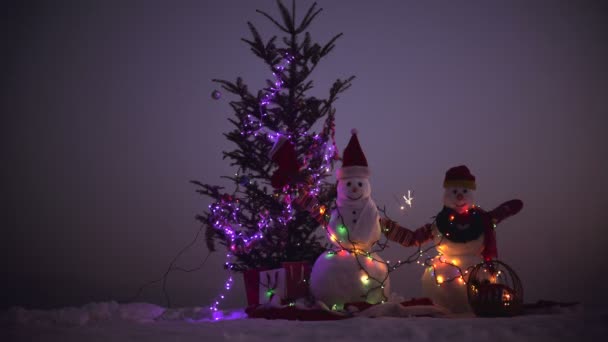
423,234
405,236
311,204
506,210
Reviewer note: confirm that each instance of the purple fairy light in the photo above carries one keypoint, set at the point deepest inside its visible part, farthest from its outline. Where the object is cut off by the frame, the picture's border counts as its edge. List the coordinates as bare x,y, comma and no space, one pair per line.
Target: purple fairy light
253,126
225,213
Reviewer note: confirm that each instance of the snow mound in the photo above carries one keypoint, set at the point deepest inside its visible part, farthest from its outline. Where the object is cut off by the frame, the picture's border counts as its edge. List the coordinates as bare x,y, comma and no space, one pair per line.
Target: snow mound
140,312
398,310
92,312
131,322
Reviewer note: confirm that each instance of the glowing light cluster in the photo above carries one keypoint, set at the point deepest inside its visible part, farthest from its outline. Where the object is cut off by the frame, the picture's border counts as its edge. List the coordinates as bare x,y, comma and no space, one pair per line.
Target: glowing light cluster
440,262
216,314
329,154
365,276
225,216
254,126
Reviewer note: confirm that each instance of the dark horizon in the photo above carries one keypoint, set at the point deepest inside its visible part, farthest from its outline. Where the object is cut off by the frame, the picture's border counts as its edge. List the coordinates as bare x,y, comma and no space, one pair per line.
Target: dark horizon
108,116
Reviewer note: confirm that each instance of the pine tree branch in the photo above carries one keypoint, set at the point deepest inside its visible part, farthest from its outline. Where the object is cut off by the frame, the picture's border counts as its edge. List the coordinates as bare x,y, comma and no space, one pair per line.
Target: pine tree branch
257,45
330,45
305,47
308,18
338,87
273,21
287,17
293,11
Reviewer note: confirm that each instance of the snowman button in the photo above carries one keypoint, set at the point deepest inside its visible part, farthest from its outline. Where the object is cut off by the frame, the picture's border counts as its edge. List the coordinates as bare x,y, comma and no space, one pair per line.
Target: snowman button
354,212
355,221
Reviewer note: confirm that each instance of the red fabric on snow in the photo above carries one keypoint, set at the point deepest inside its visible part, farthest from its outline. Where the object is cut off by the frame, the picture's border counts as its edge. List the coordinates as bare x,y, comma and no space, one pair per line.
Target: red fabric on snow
293,313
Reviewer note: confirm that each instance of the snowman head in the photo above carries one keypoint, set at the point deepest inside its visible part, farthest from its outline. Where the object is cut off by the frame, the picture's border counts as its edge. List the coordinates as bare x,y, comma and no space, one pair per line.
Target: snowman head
459,187
353,189
353,176
459,199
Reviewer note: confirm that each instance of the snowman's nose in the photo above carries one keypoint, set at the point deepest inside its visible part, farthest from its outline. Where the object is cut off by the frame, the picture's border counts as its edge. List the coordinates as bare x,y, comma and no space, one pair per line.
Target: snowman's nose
353,189
459,197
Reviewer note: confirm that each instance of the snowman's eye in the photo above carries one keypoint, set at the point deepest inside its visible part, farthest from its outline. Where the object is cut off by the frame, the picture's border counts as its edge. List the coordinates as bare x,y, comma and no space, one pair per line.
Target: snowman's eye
464,191
360,184
455,191
347,183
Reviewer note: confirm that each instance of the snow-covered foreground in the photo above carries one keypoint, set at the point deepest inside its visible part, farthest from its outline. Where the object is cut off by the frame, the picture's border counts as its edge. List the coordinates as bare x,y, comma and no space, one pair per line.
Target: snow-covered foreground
147,322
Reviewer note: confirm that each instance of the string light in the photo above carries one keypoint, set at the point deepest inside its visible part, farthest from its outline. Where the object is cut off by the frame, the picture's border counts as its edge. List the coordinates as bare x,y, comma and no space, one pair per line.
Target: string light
366,277
452,267
448,267
227,220
251,124
225,213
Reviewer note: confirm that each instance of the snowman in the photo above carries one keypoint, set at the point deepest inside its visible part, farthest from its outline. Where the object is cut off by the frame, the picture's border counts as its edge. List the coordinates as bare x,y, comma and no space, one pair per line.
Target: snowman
353,272
464,236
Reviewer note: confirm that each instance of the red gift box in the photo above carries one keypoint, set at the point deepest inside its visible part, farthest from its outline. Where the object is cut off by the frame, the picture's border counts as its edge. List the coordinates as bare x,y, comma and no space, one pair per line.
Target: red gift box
297,274
252,285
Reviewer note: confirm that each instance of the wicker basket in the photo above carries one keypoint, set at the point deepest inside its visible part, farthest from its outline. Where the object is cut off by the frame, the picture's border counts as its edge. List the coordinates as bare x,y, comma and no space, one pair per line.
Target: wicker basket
494,289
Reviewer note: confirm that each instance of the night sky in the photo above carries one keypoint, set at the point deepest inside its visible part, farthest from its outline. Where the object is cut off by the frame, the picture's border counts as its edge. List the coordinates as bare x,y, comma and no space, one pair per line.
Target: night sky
107,116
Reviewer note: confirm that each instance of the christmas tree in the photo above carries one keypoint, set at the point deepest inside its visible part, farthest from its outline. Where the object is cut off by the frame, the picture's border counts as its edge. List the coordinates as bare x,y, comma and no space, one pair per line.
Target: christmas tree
278,155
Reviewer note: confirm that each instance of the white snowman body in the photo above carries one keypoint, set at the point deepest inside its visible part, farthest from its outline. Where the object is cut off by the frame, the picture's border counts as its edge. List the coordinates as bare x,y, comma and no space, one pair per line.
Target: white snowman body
353,274
452,295
355,223
343,277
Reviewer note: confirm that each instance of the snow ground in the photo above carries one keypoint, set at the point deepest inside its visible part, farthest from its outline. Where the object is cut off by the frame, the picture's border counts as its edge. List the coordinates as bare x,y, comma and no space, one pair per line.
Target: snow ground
147,322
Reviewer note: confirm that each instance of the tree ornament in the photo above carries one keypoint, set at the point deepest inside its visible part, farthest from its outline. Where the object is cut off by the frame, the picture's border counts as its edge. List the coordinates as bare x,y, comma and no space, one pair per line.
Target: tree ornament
284,155
216,95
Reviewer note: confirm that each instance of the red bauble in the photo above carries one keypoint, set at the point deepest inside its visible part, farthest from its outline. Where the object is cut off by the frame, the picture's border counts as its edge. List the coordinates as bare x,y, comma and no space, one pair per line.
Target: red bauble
284,155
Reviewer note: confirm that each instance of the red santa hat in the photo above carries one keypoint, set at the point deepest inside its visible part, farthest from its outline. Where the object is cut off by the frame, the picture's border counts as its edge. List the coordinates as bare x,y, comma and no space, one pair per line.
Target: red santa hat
284,155
354,163
459,176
